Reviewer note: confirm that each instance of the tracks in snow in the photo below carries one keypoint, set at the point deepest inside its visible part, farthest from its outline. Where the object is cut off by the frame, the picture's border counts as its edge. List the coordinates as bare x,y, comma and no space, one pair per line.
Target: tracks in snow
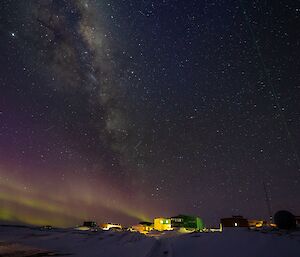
161,248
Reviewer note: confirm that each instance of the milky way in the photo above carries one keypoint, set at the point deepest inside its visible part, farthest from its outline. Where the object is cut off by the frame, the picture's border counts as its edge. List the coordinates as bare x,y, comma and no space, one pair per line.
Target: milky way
124,110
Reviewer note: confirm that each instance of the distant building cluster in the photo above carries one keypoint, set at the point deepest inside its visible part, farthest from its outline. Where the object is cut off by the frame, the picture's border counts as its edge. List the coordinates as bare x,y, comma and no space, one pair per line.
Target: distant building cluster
183,223
188,223
240,221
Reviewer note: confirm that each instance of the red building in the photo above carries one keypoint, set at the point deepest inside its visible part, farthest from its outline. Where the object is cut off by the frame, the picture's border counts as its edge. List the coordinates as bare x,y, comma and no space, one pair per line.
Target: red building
234,221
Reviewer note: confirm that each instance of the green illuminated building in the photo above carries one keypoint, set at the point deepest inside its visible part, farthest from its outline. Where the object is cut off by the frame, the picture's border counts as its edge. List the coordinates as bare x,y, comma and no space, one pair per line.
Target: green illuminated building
188,222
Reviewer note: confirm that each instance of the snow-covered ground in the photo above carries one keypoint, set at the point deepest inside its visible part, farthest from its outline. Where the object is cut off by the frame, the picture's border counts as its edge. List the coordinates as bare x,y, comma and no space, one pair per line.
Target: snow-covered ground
25,241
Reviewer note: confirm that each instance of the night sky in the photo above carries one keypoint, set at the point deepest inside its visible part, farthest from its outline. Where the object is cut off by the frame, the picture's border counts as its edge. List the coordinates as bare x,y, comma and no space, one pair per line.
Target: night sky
120,111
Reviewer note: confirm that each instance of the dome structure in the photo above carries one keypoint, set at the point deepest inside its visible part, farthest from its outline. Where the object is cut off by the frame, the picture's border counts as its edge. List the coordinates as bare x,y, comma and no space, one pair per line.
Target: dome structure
285,220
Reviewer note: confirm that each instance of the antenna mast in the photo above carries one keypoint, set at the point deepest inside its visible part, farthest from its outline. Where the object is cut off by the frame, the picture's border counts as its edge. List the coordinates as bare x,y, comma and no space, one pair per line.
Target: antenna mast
268,202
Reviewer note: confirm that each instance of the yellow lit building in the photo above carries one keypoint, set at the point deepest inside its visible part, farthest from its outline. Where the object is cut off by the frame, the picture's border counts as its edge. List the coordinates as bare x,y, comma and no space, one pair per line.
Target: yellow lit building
256,223
162,224
111,226
142,228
